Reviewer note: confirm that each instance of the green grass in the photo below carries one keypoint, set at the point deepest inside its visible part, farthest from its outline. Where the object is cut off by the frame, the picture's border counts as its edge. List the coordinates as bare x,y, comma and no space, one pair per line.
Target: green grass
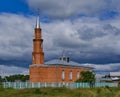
61,92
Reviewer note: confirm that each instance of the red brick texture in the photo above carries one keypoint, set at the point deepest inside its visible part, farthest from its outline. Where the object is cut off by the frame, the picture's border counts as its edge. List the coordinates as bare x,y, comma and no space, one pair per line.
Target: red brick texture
38,54
53,73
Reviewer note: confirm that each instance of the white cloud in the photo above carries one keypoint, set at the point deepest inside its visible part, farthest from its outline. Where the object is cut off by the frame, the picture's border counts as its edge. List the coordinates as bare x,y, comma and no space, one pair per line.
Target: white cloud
83,37
15,35
11,70
107,67
93,37
70,8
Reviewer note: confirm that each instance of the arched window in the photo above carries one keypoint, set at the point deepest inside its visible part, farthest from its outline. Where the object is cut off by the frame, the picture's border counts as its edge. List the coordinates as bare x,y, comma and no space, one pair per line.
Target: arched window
41,45
70,75
33,58
63,75
78,74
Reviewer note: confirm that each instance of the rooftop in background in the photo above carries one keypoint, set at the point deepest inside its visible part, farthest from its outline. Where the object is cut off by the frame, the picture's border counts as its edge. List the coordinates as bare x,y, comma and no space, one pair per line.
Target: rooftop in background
114,73
112,77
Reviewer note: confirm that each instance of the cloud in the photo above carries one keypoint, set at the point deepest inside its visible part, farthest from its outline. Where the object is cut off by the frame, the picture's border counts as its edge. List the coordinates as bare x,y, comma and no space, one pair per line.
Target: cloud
11,70
86,40
15,35
69,8
107,67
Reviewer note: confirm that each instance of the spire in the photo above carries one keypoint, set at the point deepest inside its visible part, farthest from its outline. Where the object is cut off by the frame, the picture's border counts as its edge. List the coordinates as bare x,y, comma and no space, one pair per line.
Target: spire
37,20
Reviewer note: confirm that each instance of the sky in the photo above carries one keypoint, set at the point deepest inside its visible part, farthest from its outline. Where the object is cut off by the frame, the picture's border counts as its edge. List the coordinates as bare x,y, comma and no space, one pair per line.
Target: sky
88,31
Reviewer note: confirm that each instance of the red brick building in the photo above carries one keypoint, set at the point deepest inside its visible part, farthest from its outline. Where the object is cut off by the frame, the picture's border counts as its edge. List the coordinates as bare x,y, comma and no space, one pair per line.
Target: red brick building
57,70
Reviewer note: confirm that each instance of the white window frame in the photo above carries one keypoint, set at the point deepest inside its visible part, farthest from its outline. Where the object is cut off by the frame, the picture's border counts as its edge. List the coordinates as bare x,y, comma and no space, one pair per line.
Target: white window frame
71,75
78,74
63,74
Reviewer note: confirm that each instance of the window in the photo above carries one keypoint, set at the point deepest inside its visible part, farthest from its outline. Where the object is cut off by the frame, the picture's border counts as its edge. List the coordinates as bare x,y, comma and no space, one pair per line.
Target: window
70,75
63,75
78,74
33,58
41,45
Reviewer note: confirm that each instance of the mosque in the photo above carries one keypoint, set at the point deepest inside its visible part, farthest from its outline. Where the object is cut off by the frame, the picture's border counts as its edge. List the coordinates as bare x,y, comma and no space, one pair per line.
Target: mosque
57,70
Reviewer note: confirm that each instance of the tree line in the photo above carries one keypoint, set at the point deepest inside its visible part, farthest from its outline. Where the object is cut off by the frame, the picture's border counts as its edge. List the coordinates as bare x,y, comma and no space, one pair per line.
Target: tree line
16,77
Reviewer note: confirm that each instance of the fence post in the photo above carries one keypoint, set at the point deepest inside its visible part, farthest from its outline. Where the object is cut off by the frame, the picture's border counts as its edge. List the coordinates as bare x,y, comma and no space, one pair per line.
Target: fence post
45,85
20,85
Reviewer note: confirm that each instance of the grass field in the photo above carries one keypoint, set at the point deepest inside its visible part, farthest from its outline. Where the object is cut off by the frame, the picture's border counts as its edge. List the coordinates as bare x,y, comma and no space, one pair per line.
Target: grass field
61,92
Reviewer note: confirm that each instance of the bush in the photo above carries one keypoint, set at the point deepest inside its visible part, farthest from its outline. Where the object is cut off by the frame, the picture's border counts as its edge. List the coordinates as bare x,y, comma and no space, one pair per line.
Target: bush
37,91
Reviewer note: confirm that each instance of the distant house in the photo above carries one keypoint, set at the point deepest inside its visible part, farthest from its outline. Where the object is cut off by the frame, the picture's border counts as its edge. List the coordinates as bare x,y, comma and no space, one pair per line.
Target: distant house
112,77
115,76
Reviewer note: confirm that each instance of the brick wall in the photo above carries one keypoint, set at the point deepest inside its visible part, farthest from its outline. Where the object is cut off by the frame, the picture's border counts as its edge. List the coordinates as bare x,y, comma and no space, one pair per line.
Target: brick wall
45,73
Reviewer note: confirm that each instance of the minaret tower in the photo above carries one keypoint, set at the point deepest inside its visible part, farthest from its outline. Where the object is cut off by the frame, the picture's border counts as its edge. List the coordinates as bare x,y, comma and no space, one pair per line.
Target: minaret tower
37,54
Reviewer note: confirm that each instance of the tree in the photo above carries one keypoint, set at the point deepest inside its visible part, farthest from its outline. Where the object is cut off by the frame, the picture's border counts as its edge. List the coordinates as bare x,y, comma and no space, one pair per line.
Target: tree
87,76
15,77
0,79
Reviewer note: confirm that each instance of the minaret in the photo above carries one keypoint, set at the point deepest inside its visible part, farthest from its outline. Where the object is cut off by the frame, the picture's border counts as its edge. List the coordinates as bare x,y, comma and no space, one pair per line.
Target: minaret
37,54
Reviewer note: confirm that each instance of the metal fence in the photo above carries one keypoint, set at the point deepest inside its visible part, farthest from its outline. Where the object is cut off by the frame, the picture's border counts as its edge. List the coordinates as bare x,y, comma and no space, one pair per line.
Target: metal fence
22,85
